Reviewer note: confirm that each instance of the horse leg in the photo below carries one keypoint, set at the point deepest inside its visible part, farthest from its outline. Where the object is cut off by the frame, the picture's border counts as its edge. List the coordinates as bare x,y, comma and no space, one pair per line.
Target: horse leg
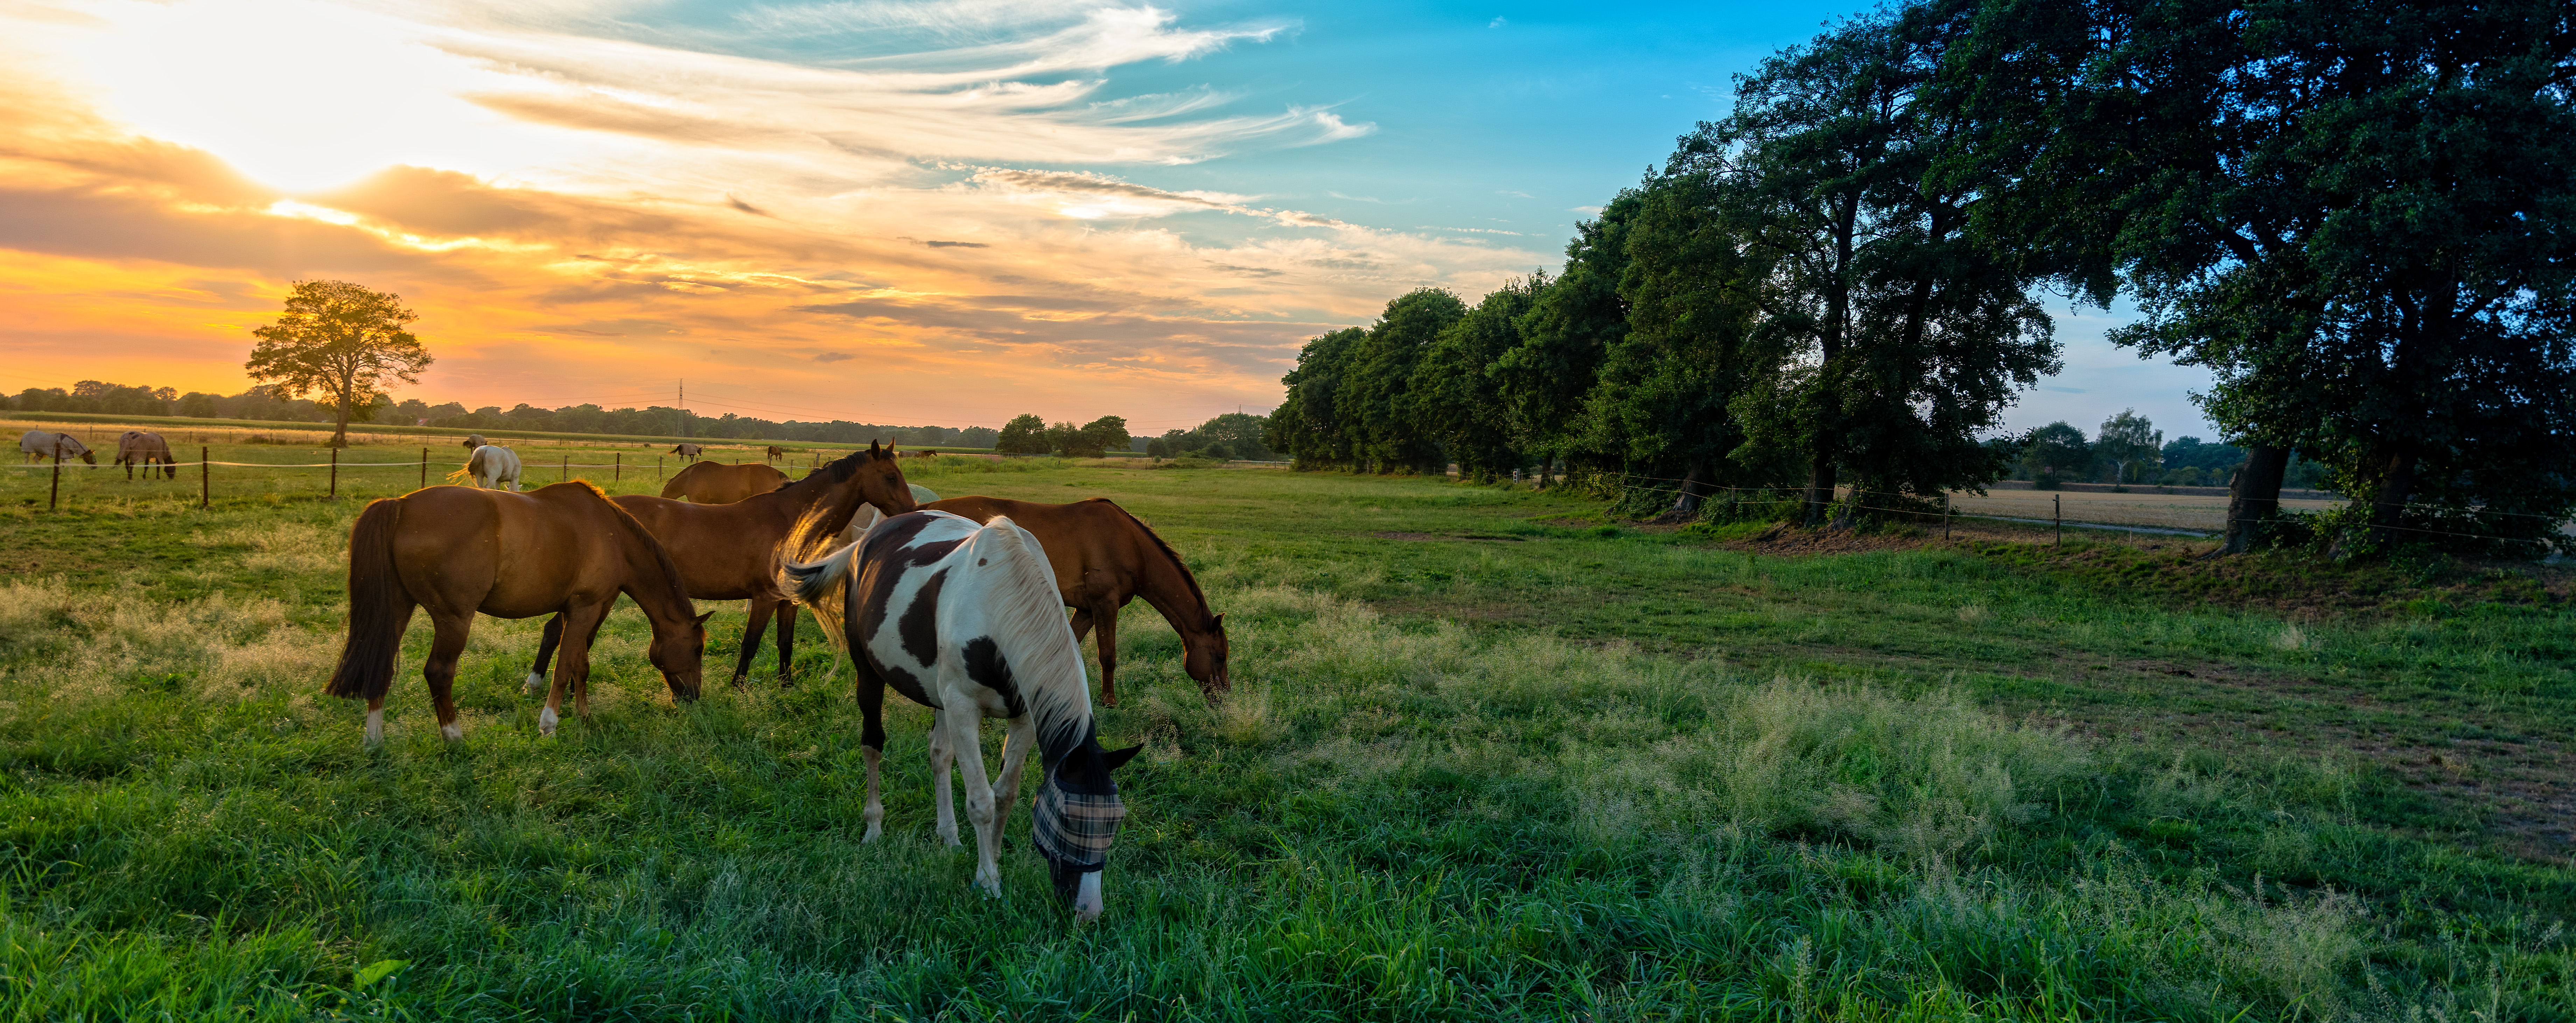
963,721
943,755
1108,622
440,670
760,610
545,653
572,664
786,643
872,737
375,722
1022,732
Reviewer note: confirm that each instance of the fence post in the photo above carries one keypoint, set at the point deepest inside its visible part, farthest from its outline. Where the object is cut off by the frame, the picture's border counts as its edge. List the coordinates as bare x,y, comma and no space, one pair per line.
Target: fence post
335,474
2057,516
57,498
564,472
1945,515
424,467
205,480
657,467
619,471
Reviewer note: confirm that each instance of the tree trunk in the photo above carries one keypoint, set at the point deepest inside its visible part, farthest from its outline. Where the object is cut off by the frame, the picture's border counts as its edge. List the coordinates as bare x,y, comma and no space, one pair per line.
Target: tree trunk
1694,489
1820,490
2253,496
2388,505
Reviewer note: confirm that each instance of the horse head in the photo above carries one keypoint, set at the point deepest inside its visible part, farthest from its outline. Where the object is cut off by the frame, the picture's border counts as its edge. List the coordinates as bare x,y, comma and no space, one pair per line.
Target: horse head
878,475
679,656
1076,818
1203,656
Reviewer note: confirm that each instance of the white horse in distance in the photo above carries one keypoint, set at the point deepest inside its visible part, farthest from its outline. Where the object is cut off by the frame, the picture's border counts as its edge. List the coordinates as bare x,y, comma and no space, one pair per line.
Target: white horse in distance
39,445
494,465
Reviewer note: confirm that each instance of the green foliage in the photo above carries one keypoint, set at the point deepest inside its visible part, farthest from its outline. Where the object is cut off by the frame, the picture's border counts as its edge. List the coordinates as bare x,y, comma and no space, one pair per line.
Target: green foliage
1309,424
341,342
1025,434
1460,401
1384,416
1228,436
1090,440
2130,444
1543,381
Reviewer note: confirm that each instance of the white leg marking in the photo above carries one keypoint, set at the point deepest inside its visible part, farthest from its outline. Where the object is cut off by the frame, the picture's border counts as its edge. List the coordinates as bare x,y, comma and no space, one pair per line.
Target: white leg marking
451,731
376,727
546,720
876,807
536,684
1086,899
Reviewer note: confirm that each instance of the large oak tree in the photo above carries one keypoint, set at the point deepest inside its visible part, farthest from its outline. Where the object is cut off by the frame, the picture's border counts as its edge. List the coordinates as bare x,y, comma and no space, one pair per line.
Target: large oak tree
340,343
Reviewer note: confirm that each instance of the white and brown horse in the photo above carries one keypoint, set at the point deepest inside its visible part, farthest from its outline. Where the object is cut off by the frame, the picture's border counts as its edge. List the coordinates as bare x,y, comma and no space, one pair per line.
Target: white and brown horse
494,467
144,448
964,619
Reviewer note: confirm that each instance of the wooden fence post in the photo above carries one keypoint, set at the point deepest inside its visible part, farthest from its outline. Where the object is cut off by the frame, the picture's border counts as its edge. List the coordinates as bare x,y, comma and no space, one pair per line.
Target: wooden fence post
657,467
335,474
205,480
2057,516
1945,515
564,472
619,471
424,467
57,499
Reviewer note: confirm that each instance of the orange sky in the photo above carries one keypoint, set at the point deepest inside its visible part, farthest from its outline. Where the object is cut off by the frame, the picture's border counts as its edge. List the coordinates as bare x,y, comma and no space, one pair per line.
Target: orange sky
947,238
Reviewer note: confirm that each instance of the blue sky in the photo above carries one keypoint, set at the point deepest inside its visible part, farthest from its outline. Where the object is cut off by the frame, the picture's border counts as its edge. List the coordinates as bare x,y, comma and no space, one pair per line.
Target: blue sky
915,211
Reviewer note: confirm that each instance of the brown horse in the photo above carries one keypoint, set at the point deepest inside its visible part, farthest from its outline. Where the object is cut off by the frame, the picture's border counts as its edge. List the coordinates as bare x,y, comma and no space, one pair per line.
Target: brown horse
563,550
144,448
774,452
688,451
731,551
716,483
1103,558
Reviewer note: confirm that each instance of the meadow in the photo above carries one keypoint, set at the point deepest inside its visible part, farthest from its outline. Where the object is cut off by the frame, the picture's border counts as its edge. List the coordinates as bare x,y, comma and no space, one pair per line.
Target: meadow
1489,755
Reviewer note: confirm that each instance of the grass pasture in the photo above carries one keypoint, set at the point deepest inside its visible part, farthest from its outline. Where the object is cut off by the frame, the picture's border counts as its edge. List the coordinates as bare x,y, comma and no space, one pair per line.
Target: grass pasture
1488,756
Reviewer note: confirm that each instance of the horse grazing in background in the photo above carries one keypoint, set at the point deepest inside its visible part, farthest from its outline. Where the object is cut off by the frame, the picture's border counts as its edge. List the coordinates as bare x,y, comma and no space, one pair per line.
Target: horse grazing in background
39,445
139,447
492,467
688,451
774,452
474,440
1103,558
563,550
732,551
963,619
716,483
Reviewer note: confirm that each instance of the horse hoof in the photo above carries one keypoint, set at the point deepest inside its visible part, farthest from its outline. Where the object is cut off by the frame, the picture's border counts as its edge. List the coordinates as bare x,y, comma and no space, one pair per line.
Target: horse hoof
536,684
451,733
546,721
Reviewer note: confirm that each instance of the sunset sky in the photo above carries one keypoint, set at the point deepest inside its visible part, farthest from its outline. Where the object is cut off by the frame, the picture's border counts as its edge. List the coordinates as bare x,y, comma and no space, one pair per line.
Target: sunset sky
945,212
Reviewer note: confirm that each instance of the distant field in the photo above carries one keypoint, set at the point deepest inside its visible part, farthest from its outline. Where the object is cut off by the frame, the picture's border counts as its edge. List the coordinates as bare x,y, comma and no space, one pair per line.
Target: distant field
1488,757
2208,514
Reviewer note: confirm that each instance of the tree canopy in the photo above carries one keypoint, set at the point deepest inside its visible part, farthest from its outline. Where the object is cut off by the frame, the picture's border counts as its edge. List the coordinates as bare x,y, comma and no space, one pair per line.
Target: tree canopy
341,343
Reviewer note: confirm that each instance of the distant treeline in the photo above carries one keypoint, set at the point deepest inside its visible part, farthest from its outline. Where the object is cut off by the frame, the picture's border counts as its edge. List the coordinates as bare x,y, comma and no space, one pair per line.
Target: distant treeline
2357,216
92,396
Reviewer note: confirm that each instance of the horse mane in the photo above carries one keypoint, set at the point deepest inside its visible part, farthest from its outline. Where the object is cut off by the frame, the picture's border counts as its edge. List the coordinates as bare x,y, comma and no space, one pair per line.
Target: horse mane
831,472
1187,579
661,555
1036,641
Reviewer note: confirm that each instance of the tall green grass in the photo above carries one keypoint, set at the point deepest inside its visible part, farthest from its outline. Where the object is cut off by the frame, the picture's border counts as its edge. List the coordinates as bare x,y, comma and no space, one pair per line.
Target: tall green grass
1398,814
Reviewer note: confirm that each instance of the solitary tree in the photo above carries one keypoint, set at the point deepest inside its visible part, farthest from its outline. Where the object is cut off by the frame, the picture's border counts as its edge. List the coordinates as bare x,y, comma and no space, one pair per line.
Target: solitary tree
2128,439
340,343
1096,438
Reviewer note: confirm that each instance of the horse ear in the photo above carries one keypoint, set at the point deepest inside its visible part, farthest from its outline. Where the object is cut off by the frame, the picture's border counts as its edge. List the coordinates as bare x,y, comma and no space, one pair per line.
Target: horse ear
702,619
872,450
890,446
1116,759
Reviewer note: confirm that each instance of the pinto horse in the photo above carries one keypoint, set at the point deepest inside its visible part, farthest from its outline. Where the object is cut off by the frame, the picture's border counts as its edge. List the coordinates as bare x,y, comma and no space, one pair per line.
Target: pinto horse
731,551
1104,558
716,483
144,448
979,634
563,550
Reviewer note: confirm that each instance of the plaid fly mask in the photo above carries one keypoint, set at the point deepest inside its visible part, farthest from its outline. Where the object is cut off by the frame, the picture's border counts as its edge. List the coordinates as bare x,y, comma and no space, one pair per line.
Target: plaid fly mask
1074,829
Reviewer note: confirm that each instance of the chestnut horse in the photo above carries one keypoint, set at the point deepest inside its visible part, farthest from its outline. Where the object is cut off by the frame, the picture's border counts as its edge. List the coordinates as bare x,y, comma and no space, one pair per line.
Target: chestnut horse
563,550
715,483
144,448
1104,558
731,551
774,452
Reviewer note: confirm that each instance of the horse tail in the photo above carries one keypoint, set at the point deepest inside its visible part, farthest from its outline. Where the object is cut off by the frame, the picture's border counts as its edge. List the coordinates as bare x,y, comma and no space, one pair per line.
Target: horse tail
1036,641
379,606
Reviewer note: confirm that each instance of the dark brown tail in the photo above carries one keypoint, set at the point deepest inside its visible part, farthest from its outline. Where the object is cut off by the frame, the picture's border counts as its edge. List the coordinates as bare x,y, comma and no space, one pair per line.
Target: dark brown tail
379,607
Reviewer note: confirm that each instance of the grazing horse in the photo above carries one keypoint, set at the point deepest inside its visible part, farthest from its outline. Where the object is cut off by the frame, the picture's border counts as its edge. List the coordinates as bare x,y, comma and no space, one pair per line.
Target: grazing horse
688,451
493,466
774,452
716,483
731,551
963,619
139,447
563,550
39,445
474,440
1104,558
